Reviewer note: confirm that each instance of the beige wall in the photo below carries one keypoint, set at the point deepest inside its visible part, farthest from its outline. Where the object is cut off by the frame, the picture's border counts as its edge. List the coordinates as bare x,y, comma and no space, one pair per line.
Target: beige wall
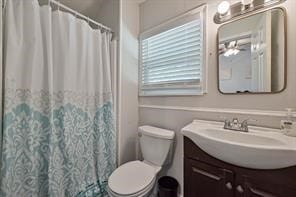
108,14
105,12
128,80
167,112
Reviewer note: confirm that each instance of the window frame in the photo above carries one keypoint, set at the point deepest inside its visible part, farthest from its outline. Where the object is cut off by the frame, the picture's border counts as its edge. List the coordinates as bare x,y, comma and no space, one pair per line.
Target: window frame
170,24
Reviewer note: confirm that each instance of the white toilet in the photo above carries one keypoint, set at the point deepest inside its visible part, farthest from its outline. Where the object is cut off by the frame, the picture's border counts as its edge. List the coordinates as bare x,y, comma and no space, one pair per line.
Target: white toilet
137,178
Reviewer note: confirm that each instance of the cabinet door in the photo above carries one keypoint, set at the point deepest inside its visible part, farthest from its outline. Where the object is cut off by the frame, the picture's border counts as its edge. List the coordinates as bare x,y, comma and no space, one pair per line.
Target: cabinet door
203,180
260,187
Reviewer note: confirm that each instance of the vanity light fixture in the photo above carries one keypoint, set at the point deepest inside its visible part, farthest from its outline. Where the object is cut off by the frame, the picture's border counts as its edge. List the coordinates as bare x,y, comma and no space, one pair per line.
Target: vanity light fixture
226,11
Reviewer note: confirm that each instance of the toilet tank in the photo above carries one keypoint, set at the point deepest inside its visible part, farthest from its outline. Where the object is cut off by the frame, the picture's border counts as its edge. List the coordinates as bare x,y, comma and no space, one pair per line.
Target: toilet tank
156,144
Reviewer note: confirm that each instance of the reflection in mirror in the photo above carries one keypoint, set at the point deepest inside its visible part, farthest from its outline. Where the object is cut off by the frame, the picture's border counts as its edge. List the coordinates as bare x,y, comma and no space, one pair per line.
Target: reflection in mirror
252,54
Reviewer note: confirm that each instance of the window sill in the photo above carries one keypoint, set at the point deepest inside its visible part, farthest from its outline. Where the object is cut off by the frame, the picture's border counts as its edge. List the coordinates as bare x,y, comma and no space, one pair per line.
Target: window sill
171,94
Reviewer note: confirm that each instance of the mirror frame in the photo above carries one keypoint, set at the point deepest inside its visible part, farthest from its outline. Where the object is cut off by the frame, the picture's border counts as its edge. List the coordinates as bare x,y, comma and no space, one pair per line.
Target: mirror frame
285,52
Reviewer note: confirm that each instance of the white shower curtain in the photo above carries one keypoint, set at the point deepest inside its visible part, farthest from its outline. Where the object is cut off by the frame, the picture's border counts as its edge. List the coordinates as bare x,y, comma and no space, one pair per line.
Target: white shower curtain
58,126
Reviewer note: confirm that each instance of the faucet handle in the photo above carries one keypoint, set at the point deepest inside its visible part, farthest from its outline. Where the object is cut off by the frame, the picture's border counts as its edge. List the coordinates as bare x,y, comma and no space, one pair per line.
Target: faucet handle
226,121
244,124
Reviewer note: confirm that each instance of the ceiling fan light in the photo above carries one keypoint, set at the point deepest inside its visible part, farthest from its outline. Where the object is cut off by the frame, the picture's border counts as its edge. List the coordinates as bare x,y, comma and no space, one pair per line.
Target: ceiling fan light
236,51
228,52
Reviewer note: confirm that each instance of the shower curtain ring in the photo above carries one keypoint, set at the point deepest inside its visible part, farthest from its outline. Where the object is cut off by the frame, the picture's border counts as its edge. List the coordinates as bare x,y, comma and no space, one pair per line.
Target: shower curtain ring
88,20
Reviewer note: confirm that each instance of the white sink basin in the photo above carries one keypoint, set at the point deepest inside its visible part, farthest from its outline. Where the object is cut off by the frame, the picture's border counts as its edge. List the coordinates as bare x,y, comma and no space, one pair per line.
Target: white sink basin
260,148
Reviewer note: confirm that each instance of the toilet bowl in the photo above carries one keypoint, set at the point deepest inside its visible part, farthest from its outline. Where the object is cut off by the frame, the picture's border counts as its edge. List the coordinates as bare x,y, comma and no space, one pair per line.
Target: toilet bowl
138,178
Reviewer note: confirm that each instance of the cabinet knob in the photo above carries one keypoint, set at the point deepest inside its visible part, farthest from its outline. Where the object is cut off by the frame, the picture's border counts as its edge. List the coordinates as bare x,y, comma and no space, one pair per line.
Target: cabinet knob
240,189
228,186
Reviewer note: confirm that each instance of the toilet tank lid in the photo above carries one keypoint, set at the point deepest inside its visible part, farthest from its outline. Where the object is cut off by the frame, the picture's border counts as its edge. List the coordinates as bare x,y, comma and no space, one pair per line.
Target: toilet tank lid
157,132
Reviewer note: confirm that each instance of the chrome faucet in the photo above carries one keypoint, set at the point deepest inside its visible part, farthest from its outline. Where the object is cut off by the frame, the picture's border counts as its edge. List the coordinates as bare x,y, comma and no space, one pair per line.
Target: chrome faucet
236,125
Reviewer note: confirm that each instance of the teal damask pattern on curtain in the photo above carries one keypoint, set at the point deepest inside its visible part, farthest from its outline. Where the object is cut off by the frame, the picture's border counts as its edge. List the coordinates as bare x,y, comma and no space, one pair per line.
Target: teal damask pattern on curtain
56,149
59,137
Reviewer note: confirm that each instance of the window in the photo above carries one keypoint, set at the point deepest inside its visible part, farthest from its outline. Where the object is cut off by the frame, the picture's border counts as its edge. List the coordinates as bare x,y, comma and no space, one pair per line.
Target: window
172,57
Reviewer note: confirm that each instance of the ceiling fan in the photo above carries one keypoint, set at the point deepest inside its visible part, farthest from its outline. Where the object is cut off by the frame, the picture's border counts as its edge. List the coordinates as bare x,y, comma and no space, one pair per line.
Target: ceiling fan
230,48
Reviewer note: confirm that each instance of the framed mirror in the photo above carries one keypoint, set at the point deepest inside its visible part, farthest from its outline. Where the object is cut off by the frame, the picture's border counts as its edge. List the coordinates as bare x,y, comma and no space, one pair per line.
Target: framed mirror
252,54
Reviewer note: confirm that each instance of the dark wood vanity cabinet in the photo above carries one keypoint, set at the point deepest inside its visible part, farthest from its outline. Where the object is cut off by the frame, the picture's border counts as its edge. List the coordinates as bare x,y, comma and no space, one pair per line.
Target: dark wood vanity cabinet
206,176
214,182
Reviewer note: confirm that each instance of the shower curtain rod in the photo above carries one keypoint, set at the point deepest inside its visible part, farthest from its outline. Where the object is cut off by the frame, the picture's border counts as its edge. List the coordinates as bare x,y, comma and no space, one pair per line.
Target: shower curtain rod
58,4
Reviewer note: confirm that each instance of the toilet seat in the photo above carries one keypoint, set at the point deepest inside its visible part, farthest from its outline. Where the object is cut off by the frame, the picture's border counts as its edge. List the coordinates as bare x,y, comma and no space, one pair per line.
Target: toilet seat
132,179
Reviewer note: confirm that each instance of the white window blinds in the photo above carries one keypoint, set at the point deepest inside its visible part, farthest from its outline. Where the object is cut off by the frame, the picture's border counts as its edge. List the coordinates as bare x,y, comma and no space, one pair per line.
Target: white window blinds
172,60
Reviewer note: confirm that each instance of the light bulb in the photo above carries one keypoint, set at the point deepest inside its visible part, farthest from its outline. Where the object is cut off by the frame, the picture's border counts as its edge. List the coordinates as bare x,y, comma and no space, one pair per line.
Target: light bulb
223,7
